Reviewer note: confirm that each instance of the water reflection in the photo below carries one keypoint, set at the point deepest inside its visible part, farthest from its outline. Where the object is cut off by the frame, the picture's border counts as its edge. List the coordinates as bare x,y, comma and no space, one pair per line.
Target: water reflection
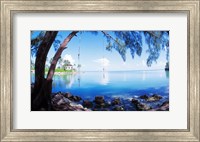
67,79
143,75
167,74
79,79
110,83
105,78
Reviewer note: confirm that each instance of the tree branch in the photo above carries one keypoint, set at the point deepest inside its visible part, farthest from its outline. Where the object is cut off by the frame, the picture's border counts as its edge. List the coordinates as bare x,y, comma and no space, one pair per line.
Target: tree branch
58,54
109,36
150,32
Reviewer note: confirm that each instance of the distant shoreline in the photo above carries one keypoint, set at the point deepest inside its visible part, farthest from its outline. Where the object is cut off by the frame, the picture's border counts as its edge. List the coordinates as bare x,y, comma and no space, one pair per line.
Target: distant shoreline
63,72
58,72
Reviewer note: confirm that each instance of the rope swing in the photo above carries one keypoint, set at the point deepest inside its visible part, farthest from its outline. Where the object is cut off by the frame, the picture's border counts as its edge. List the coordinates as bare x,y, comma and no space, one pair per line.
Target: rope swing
79,64
103,56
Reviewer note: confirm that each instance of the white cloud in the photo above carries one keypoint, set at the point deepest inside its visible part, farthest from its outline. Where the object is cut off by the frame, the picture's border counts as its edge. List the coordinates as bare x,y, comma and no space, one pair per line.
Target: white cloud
104,62
69,58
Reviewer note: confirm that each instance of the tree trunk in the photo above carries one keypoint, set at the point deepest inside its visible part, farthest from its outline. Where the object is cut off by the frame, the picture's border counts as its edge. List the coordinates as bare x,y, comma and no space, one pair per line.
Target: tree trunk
43,99
41,57
58,54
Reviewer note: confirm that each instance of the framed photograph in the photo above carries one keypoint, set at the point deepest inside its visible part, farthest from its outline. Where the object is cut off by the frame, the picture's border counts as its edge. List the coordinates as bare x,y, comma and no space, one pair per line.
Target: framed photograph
100,70
84,77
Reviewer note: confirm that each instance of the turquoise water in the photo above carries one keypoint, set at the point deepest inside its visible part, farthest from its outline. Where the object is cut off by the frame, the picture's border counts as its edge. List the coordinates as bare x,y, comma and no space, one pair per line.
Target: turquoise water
112,84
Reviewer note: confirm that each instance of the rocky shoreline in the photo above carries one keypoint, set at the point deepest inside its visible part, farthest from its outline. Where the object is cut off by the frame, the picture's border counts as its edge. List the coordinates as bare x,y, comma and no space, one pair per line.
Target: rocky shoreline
68,102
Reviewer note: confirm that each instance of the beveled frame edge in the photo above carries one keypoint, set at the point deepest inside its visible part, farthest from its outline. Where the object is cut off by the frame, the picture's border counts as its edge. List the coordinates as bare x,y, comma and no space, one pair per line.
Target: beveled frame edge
10,7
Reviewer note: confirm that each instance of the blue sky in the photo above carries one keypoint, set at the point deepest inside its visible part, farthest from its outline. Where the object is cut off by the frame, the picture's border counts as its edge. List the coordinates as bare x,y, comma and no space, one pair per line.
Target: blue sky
95,57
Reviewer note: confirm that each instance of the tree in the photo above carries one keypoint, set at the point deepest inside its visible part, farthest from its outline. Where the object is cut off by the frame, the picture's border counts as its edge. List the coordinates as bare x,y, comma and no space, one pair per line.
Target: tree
167,66
42,45
60,62
121,41
32,65
50,61
66,63
40,98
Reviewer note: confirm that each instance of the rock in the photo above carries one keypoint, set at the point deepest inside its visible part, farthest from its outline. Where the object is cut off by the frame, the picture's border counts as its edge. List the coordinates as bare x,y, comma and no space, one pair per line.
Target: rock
75,105
145,97
95,109
87,104
164,106
59,93
116,101
166,103
60,102
157,96
134,101
105,109
102,105
58,96
67,95
142,107
75,98
154,98
67,100
118,108
99,100
108,104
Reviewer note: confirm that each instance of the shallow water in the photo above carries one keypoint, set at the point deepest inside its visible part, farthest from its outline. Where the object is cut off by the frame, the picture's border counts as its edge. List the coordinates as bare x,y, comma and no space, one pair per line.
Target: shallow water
123,84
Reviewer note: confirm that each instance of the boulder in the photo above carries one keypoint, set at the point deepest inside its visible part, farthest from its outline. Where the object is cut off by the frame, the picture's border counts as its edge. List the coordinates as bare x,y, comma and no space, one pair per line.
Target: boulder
116,101
108,104
99,100
87,104
166,103
61,102
106,109
75,105
142,107
67,100
58,96
145,97
118,108
57,99
102,105
75,98
154,98
164,106
67,95
134,101
157,96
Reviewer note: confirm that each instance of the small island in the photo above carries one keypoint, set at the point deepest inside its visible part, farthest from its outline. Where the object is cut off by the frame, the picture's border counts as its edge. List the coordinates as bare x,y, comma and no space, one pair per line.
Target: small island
167,66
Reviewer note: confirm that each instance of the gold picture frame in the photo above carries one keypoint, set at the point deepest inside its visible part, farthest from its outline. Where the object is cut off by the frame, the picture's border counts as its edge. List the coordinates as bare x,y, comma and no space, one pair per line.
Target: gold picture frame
10,7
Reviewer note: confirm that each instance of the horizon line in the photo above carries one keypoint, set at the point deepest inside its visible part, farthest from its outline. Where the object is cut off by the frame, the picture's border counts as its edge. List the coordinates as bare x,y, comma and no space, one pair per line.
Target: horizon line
120,70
